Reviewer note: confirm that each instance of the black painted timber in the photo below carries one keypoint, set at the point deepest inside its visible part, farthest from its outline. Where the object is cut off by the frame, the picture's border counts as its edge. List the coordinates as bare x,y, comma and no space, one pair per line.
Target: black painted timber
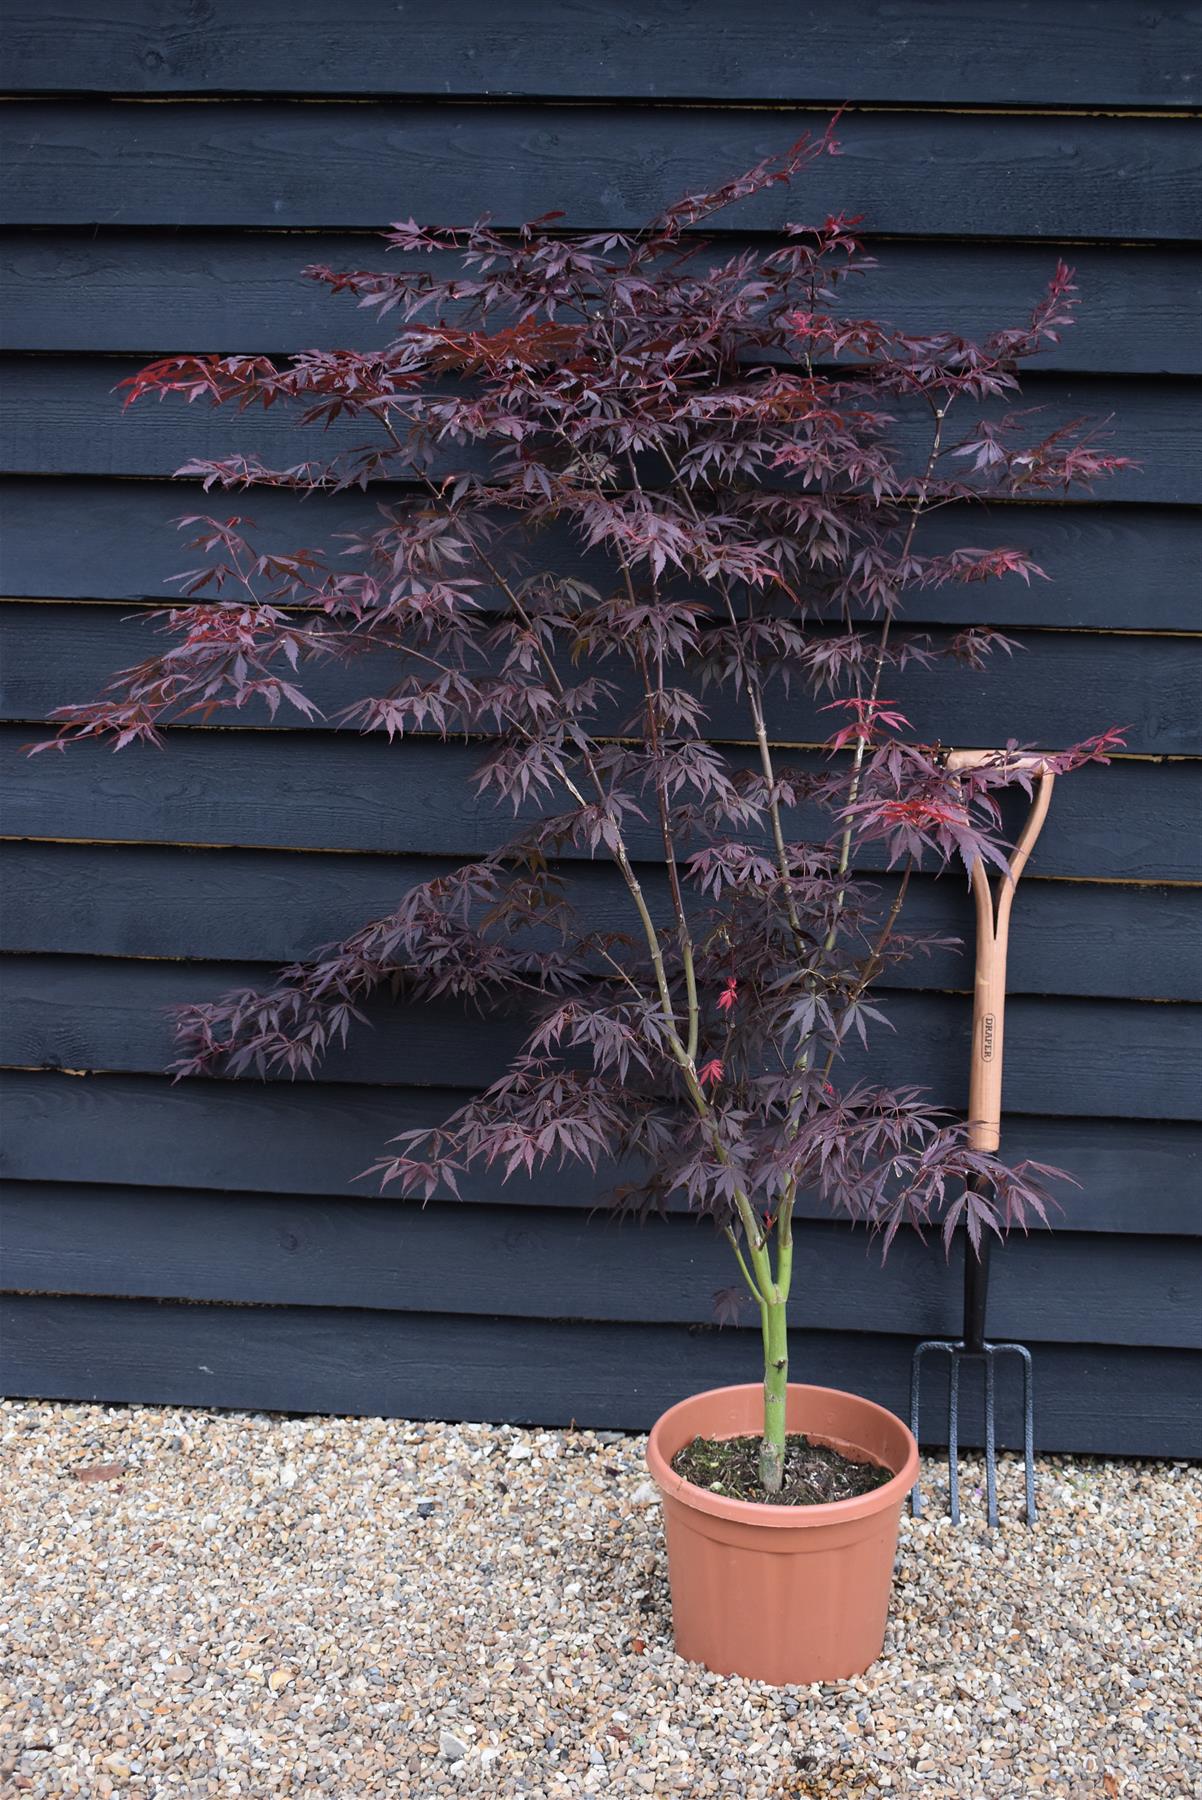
1109,566
982,52
539,1262
984,141
316,1359
1148,684
336,791
277,906
114,291
1107,1058
61,416
285,1138
915,174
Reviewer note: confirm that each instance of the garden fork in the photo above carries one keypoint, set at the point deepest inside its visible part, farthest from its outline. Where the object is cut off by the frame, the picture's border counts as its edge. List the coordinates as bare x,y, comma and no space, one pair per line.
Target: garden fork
984,1133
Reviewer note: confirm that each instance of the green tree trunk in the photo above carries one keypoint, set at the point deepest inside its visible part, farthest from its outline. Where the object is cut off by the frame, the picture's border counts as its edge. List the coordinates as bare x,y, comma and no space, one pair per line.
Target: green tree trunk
776,1382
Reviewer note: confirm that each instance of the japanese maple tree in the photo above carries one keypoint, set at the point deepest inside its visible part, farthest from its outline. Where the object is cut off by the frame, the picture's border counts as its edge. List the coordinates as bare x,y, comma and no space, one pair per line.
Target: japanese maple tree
732,455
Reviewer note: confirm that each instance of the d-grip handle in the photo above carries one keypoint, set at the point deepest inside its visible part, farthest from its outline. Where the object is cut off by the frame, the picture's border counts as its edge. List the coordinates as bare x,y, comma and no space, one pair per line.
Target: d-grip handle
993,931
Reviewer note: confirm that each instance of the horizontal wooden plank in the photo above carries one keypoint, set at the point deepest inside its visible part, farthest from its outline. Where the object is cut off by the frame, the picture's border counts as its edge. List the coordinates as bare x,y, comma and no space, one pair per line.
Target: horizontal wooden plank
1076,1058
1121,1402
1131,821
143,291
988,52
274,1138
59,415
51,654
336,166
277,906
1110,566
530,1262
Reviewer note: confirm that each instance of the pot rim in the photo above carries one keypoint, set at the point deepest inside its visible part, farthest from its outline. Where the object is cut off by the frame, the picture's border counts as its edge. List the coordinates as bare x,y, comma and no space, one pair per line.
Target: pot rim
762,1512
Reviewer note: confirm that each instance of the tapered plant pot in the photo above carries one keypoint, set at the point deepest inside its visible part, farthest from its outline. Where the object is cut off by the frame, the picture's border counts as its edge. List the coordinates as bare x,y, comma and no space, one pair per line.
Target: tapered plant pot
782,1593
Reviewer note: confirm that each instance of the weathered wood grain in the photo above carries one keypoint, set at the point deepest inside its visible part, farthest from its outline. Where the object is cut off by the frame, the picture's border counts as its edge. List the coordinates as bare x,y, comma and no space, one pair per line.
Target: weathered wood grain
277,906
1109,566
307,1359
1089,1058
132,292
1132,821
989,52
338,166
53,654
61,416
1136,1176
533,1262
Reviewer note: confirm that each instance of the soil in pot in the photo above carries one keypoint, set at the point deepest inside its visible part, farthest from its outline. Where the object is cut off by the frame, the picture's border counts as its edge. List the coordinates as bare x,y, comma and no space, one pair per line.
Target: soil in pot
815,1474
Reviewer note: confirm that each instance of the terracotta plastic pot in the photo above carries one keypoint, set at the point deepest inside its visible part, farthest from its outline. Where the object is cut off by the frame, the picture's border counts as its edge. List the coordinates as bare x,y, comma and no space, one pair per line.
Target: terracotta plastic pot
782,1593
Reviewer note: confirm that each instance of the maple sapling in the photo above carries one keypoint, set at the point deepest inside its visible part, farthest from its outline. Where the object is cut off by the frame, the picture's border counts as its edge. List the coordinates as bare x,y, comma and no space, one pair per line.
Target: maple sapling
647,507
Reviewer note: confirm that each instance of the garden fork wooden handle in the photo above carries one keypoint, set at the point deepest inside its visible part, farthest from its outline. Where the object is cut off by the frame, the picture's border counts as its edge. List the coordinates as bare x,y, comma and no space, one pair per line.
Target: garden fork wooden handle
993,931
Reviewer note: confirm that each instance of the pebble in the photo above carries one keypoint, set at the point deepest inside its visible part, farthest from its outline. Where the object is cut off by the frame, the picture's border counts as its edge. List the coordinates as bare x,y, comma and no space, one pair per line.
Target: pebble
251,1611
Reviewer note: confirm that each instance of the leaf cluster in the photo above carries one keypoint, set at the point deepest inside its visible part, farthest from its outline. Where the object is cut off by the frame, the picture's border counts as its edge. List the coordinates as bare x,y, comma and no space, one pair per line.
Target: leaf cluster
727,452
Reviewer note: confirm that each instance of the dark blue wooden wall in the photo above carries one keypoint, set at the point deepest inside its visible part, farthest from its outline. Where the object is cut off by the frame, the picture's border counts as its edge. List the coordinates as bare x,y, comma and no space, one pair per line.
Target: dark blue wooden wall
168,168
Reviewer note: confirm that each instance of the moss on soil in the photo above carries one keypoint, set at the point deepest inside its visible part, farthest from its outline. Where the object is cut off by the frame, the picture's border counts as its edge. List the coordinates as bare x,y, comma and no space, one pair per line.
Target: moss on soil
814,1473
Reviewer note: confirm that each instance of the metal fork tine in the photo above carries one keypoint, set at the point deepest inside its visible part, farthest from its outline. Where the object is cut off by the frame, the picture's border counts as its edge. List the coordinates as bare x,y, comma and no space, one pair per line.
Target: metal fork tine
1024,1356
957,1354
953,1438
1029,1431
990,1458
915,1371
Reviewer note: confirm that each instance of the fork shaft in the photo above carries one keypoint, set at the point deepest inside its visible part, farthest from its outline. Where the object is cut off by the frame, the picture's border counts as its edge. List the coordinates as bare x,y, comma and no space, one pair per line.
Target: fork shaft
976,1287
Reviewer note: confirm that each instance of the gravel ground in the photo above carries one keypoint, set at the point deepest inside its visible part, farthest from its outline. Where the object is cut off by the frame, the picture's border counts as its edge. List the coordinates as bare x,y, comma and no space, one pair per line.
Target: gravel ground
198,1604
